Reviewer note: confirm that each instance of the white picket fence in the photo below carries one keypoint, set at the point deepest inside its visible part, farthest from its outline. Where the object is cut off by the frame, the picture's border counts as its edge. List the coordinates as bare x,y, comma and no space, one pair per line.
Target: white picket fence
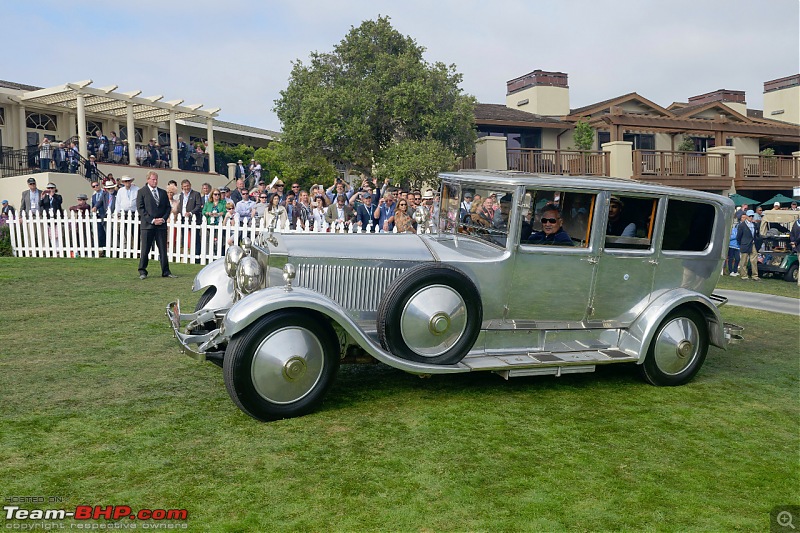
76,235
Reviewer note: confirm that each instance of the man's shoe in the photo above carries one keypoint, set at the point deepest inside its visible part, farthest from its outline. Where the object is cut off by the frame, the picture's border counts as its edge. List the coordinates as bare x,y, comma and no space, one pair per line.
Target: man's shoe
734,274
756,279
744,278
142,276
169,276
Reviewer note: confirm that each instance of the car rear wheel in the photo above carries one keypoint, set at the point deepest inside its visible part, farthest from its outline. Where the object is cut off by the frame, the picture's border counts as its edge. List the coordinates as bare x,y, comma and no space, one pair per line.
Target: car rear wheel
281,366
432,313
678,349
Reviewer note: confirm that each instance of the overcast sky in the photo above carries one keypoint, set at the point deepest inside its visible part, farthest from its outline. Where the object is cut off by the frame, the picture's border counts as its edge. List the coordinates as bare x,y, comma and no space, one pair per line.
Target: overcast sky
237,54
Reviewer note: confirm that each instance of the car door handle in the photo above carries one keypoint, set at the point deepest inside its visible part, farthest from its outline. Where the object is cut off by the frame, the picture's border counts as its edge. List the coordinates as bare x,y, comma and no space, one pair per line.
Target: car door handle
653,262
592,260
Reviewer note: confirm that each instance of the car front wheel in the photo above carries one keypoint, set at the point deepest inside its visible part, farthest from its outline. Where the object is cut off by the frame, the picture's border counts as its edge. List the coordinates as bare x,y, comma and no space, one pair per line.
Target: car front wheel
281,366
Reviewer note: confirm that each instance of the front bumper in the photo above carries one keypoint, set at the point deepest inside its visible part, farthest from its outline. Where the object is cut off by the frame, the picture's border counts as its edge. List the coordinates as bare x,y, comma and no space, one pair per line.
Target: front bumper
202,336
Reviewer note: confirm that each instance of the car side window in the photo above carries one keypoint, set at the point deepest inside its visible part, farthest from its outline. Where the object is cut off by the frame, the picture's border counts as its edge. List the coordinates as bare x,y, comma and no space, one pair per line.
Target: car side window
484,213
573,212
688,226
630,222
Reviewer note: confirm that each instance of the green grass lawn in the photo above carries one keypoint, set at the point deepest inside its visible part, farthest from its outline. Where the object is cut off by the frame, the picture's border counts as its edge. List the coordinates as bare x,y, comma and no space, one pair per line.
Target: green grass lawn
775,286
100,408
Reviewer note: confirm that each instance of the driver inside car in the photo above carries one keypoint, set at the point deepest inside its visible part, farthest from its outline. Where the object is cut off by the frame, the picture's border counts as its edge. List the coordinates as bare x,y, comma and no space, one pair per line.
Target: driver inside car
552,233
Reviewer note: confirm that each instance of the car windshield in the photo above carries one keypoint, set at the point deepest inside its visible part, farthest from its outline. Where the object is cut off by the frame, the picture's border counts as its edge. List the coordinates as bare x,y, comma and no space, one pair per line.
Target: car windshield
476,209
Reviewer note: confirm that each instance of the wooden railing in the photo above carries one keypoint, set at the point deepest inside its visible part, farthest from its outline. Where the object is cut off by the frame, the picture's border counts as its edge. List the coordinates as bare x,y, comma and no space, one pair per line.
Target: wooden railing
567,162
767,166
683,164
466,163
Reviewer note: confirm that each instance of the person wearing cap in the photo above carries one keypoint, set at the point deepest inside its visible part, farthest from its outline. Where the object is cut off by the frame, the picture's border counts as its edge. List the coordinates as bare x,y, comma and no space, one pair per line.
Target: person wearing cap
154,209
466,206
748,237
126,196
51,201
240,172
30,198
618,224
82,206
776,206
7,211
793,207
90,168
552,233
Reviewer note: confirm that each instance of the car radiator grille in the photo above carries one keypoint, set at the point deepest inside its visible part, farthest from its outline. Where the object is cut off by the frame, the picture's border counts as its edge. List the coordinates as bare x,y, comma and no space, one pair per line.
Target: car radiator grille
353,287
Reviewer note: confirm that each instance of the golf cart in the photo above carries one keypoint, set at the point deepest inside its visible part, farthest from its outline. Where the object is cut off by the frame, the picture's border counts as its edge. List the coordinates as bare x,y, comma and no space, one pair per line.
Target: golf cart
777,257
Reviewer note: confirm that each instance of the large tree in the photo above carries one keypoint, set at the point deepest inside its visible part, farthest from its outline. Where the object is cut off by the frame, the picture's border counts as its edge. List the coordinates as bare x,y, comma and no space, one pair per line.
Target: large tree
371,99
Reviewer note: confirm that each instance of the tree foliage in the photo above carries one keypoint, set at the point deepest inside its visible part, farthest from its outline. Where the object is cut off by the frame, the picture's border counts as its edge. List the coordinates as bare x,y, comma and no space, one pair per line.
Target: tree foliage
583,135
373,92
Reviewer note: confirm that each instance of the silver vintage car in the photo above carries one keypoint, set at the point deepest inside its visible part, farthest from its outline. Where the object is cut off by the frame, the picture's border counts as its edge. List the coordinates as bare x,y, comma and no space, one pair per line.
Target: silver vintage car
516,274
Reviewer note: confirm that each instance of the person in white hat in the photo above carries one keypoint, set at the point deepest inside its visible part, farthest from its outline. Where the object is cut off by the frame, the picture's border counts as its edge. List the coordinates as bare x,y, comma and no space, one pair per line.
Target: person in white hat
776,206
126,196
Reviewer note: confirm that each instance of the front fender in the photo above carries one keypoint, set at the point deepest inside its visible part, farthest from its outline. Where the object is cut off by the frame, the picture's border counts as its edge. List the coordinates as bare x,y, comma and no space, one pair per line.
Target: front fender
214,275
252,307
636,338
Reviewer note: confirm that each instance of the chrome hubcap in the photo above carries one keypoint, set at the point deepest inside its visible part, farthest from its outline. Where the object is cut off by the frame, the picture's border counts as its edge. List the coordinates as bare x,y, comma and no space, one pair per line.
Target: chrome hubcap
287,365
433,320
677,346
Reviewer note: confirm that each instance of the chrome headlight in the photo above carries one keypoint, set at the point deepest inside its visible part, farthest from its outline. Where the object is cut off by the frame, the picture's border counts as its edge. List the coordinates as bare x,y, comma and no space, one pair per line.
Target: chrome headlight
233,255
249,275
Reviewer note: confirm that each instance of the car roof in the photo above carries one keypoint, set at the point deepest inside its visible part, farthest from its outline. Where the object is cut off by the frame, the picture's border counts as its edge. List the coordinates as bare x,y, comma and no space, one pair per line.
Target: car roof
515,178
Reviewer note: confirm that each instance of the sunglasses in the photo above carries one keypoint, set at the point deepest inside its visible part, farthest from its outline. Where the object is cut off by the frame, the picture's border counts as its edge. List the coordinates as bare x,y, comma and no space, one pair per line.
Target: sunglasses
95,186
549,220
263,197
214,194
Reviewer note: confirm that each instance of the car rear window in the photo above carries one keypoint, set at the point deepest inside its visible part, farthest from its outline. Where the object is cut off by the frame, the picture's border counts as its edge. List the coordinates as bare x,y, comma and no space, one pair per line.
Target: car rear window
688,226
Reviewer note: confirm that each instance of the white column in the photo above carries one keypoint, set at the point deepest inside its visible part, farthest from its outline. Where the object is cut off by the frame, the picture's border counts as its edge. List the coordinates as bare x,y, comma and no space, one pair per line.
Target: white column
620,158
82,126
173,140
23,130
131,136
210,129
70,125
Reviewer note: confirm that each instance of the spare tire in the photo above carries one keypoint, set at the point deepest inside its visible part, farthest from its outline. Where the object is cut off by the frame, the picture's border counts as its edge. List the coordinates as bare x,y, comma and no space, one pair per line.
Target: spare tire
432,313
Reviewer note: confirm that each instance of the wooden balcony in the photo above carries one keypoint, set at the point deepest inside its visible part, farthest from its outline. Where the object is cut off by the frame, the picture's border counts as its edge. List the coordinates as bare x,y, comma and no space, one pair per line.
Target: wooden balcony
565,162
691,170
767,172
466,163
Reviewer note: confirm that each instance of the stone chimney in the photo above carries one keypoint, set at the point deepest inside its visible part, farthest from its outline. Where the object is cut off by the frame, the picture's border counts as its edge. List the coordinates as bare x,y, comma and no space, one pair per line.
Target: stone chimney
733,99
782,99
540,92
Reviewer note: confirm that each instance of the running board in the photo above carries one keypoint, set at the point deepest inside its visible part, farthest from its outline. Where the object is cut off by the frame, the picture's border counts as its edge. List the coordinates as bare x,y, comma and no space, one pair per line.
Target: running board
546,363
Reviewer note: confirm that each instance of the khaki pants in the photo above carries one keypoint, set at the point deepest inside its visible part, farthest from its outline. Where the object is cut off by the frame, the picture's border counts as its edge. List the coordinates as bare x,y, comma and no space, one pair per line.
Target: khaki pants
750,257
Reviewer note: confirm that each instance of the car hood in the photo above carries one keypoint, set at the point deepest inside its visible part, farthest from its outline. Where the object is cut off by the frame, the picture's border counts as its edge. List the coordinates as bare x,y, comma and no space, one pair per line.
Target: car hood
354,247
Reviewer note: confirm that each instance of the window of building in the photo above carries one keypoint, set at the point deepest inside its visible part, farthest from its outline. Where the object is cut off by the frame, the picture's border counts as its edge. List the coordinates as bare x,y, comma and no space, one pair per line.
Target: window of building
139,134
516,137
41,121
2,116
163,138
91,127
641,141
630,222
688,226
576,212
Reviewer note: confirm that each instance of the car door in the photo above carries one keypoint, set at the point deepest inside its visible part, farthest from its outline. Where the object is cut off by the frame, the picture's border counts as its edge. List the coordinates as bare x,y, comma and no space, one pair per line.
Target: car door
627,260
551,283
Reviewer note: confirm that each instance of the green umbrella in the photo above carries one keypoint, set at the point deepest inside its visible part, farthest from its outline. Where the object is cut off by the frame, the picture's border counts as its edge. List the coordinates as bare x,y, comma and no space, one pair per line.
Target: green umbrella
778,198
738,199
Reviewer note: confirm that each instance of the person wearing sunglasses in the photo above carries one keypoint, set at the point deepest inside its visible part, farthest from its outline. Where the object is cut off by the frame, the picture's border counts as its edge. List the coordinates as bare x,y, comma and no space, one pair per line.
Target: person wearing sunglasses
552,233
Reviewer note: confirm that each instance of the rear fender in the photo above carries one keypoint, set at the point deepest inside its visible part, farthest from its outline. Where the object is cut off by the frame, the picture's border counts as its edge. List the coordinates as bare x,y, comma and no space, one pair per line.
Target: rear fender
636,339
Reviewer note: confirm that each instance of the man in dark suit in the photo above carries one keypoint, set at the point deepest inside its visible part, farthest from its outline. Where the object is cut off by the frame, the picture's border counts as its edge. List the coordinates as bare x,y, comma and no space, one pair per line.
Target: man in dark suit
339,213
154,208
51,201
749,242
